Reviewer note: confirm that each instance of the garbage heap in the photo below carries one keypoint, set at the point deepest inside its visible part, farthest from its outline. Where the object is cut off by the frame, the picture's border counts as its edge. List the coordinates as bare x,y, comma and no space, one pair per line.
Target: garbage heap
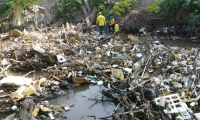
146,80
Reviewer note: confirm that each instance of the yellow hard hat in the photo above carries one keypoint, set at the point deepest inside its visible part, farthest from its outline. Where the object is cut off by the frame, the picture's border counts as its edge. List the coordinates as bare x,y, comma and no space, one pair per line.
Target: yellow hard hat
100,13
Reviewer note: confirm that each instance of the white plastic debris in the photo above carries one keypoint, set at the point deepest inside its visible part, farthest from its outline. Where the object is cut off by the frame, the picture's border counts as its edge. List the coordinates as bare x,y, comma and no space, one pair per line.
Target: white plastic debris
14,108
197,116
177,85
179,118
67,108
162,101
136,65
5,62
100,82
192,104
51,116
129,70
61,58
1,91
139,55
175,105
16,80
39,49
143,30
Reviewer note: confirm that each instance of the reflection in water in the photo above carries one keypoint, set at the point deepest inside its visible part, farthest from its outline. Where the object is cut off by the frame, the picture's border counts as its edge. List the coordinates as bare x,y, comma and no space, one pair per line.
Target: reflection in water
83,107
178,43
80,88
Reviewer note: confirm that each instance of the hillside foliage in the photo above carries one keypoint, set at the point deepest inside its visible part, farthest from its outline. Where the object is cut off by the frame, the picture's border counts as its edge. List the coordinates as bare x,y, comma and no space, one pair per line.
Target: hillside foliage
122,7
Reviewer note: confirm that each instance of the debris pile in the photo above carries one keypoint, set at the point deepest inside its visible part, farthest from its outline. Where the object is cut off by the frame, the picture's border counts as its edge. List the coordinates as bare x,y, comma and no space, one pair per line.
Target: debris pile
146,80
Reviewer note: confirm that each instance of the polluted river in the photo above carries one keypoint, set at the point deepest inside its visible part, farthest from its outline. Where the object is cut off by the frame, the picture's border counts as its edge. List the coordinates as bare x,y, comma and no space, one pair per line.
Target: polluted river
85,77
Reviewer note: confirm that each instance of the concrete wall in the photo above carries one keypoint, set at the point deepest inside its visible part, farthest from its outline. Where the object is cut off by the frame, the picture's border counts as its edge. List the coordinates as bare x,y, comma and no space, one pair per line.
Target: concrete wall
51,9
2,1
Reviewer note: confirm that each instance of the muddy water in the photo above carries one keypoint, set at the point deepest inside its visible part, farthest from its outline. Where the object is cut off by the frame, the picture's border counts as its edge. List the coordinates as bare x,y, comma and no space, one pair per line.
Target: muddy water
178,43
78,96
83,107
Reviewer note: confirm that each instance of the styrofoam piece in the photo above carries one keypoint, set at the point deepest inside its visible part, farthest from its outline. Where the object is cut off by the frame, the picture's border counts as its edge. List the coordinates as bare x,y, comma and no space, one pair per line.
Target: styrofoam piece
67,108
129,70
99,82
51,116
162,101
173,100
16,80
175,104
5,62
185,115
179,118
177,85
14,107
197,116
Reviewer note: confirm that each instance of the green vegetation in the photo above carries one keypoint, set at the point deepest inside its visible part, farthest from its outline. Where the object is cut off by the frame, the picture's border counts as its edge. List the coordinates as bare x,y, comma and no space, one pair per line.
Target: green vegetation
121,7
169,7
24,3
154,8
18,6
172,6
193,6
67,8
6,7
4,27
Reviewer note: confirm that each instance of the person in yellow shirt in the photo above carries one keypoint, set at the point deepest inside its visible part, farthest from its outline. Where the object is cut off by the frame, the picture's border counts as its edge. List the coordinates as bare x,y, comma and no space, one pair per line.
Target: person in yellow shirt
116,28
101,22
112,24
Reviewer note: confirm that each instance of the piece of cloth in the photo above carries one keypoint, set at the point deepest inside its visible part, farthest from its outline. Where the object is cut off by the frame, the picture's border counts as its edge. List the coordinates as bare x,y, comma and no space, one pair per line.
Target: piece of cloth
101,21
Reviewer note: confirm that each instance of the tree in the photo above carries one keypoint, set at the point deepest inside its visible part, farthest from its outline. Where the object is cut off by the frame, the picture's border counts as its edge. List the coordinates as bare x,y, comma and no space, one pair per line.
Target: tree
18,5
67,9
170,7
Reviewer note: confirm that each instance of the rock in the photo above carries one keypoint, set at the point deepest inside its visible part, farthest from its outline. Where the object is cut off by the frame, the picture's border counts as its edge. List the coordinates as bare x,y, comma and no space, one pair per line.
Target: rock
15,33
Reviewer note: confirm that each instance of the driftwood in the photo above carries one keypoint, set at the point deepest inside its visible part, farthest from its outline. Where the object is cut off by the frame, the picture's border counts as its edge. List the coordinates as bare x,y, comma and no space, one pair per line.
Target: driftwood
5,69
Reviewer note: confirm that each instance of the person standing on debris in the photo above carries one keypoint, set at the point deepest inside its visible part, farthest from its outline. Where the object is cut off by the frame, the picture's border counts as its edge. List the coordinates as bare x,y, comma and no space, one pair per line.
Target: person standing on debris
116,28
101,22
112,24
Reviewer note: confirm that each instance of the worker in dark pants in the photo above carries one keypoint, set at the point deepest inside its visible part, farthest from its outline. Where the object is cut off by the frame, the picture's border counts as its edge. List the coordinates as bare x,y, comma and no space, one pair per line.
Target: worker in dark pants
101,22
112,24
